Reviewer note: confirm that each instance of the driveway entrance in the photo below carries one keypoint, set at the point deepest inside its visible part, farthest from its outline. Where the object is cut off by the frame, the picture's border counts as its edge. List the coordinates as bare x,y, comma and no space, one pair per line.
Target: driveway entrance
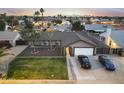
98,74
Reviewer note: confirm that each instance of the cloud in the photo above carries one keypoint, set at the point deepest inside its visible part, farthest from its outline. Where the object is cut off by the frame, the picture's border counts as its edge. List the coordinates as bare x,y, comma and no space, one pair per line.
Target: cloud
66,11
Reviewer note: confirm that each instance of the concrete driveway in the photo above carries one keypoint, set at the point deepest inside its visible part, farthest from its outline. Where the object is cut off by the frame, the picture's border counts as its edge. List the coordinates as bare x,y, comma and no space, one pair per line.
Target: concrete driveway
97,74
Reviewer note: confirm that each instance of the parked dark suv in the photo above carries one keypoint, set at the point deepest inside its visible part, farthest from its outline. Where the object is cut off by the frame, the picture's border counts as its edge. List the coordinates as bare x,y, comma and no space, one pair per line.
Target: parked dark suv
84,61
106,62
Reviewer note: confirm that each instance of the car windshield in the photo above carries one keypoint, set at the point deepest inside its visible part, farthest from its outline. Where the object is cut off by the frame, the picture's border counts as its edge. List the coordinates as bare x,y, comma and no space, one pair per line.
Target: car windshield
85,59
108,61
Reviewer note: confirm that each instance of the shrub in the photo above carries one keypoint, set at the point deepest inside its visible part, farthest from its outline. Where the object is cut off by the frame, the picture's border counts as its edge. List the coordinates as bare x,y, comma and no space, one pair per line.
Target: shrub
5,44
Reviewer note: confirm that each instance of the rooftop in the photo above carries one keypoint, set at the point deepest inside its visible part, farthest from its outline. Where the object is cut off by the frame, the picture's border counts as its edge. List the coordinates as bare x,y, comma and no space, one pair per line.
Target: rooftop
118,37
71,37
4,35
97,27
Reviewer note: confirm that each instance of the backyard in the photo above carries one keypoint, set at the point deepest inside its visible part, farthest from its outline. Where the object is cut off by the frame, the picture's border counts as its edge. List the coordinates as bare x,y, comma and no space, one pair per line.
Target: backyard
38,68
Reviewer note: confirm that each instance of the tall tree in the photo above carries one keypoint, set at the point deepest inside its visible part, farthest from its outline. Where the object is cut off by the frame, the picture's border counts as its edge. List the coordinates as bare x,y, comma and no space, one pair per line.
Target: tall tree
42,11
36,16
31,36
25,17
58,21
2,25
12,21
3,16
37,13
50,35
59,16
48,24
28,24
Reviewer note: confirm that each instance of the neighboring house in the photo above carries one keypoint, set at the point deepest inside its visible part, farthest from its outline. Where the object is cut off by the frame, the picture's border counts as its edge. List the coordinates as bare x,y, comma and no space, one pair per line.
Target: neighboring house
116,39
106,21
98,28
21,22
94,20
78,42
11,37
122,21
100,31
60,28
8,28
38,25
66,24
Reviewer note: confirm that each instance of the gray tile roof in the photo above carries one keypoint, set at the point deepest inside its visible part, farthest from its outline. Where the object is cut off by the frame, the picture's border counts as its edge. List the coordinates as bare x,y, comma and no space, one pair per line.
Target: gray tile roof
118,37
70,37
8,35
65,37
98,43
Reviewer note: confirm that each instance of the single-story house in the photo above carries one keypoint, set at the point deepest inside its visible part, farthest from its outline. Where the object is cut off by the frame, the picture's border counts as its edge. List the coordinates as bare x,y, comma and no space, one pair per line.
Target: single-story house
116,39
98,28
11,37
100,31
104,21
60,28
79,43
8,28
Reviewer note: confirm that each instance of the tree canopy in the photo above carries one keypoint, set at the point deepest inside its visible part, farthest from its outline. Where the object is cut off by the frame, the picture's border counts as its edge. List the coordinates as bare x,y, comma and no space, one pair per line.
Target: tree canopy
28,24
12,21
29,35
42,11
76,26
57,21
2,25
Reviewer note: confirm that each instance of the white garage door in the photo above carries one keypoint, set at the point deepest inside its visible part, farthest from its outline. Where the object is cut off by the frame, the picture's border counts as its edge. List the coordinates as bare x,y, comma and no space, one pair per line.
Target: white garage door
83,51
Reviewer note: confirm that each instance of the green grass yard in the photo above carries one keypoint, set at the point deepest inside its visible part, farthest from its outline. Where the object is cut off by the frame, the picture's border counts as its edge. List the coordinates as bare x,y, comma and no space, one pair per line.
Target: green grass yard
38,68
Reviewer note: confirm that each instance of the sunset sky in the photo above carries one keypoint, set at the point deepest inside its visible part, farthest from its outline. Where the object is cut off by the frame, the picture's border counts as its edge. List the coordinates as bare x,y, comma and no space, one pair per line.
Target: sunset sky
66,11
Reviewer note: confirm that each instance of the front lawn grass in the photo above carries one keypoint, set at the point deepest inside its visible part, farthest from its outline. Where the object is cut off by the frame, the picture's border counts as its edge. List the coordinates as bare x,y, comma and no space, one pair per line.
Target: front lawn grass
38,68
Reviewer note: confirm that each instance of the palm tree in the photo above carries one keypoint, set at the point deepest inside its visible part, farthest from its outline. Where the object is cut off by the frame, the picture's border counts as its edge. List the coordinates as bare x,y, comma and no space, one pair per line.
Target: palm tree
50,35
42,11
59,16
37,13
2,51
3,65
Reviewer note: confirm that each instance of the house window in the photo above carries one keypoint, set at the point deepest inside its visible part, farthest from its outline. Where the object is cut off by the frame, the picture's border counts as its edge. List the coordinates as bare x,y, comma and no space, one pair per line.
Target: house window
53,43
57,43
36,43
110,43
42,43
46,43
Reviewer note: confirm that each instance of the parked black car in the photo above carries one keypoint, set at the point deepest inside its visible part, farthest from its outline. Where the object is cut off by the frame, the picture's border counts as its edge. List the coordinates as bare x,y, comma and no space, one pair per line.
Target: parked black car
106,62
84,61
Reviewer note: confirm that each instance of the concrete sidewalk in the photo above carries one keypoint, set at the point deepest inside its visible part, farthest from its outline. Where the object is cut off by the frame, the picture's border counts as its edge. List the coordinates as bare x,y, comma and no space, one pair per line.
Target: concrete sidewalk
14,51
